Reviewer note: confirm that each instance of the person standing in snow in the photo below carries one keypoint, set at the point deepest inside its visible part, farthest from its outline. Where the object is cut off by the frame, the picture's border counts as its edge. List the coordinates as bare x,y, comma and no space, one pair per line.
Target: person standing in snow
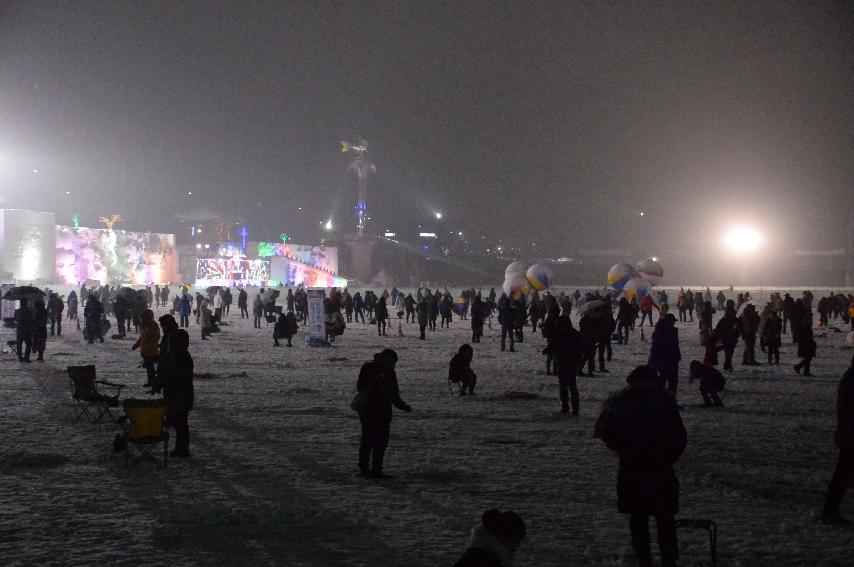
727,332
494,540
148,344
664,354
643,426
55,308
257,311
377,384
381,314
566,351
843,437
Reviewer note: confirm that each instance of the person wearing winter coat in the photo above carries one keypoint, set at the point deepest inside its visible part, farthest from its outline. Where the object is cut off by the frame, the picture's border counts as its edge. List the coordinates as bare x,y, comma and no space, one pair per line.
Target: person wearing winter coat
185,307
712,382
243,303
377,384
73,304
706,316
381,314
494,540
423,318
148,344
92,314
727,331
226,301
507,320
643,426
334,324
806,345
217,304
709,342
625,318
445,311
646,305
358,306
721,299
843,437
566,349
206,319
179,392
460,372
257,311
286,327
772,337
121,308
749,327
55,307
23,332
664,354
477,317
164,296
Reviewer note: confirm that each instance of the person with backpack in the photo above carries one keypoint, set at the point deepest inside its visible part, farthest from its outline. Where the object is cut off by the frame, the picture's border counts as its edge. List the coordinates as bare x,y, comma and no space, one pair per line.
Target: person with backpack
643,426
460,371
377,391
566,350
494,540
843,438
712,382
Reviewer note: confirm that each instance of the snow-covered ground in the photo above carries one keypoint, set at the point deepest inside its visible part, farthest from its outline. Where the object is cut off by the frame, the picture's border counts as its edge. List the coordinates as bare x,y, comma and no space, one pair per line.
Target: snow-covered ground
274,451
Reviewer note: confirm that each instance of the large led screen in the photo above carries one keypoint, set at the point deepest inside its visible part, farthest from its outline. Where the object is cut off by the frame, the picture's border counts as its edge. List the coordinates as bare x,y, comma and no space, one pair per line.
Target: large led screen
229,272
114,257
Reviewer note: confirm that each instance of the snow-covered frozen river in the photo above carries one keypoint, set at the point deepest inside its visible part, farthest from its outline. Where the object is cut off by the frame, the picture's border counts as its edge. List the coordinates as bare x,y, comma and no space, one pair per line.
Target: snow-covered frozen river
274,453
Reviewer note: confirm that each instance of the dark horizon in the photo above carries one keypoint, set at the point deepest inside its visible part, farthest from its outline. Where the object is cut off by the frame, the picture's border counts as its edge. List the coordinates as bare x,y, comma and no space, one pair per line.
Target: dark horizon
541,121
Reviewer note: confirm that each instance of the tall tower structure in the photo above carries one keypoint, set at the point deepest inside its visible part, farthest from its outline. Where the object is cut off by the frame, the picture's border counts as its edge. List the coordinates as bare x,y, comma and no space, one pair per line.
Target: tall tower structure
361,166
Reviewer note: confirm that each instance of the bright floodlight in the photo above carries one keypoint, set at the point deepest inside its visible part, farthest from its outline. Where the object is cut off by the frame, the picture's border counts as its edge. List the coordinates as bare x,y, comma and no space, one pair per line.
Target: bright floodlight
438,215
743,239
329,224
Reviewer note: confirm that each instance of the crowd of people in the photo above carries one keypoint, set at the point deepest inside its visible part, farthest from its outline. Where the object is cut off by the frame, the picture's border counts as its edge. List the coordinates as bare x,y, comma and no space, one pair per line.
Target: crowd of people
641,423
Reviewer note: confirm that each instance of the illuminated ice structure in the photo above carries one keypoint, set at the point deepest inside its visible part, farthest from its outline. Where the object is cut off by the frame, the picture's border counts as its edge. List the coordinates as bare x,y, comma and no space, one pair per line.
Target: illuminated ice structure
26,245
362,167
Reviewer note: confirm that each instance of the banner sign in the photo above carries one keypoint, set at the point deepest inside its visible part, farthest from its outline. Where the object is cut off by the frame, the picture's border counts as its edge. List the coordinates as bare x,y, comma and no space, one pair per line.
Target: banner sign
316,321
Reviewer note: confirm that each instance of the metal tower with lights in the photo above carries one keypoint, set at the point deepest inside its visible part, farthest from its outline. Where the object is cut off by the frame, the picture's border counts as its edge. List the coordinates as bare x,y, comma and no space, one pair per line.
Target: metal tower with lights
362,167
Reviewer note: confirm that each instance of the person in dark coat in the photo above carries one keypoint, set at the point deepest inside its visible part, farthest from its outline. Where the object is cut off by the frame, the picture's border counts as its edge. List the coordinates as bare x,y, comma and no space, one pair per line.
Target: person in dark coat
749,327
806,344
642,424
381,315
378,382
843,437
92,313
566,350
728,330
772,335
664,354
712,382
706,316
286,327
625,318
23,332
477,317
185,307
55,307
120,310
39,328
178,391
506,317
243,303
460,372
587,328
494,540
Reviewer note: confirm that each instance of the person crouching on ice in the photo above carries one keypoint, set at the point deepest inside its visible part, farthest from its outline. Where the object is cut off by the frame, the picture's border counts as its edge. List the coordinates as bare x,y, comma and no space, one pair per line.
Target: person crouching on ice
494,540
712,382
460,371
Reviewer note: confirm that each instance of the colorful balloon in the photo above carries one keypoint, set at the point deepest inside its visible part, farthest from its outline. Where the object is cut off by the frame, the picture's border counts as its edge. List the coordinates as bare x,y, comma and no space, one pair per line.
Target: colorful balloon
619,275
650,269
516,267
514,285
539,276
637,288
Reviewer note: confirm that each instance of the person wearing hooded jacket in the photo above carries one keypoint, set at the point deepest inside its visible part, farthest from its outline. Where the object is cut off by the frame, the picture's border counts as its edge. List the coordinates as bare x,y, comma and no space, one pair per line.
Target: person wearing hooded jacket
727,331
566,349
179,392
243,303
643,426
148,344
378,383
185,307
477,317
494,540
381,314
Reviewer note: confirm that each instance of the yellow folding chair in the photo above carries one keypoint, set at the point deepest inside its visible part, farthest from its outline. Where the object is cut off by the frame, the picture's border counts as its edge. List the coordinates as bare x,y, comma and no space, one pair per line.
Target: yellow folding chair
87,399
145,427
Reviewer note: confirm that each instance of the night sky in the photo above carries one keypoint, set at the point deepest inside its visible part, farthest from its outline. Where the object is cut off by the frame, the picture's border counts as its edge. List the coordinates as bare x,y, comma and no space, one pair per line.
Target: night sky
555,122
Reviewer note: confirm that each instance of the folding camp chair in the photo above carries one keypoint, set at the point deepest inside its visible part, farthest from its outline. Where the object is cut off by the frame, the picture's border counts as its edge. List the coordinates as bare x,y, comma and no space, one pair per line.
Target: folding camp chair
86,397
704,525
145,426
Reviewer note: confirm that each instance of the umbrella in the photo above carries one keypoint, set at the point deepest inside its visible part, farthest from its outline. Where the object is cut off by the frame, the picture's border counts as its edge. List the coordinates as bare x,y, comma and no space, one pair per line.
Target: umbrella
23,292
213,289
127,291
591,305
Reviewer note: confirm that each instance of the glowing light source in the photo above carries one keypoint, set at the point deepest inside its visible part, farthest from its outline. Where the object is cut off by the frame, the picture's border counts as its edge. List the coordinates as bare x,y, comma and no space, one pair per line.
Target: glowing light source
438,215
743,239
329,224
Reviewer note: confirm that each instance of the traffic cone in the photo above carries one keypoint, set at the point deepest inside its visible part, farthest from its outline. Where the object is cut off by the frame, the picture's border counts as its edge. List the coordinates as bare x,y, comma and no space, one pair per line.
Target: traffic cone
643,337
399,329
